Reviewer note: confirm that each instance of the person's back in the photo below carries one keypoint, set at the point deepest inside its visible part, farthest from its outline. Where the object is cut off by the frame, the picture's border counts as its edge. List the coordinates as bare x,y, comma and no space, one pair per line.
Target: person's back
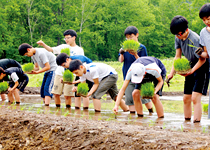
82,58
7,63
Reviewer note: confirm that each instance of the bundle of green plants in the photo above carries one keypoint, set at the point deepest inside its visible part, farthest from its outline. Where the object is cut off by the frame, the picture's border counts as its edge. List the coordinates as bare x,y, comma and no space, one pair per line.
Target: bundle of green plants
82,89
3,87
205,107
147,90
66,50
68,76
181,65
130,45
28,67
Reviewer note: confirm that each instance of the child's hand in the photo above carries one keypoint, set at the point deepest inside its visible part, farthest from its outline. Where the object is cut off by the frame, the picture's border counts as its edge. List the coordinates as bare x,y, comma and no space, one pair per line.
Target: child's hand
10,89
41,43
61,80
34,72
115,109
74,89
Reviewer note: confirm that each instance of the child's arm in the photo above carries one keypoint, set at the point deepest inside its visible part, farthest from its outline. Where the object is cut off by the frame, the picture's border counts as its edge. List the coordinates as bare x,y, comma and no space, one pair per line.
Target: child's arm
94,87
120,95
41,43
37,71
14,87
205,53
159,85
121,57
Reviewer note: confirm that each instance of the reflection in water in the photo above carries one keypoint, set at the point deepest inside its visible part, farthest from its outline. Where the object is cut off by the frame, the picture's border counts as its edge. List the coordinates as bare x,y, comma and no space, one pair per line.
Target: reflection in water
173,121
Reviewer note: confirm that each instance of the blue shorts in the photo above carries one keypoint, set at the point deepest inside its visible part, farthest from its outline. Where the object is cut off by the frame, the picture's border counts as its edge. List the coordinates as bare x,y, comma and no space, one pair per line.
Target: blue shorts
47,84
23,81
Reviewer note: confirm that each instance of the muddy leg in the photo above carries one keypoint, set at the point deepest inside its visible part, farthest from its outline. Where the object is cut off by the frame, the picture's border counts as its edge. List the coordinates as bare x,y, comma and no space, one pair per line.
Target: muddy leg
196,98
187,106
158,106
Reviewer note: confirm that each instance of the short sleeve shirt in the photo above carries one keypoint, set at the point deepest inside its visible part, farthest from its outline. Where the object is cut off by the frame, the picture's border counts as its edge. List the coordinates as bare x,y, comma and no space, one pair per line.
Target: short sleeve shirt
97,70
13,74
187,46
42,56
7,63
82,58
57,49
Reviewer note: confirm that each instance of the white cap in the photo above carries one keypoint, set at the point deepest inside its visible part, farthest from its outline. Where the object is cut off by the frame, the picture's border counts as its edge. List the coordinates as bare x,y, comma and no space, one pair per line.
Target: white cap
137,72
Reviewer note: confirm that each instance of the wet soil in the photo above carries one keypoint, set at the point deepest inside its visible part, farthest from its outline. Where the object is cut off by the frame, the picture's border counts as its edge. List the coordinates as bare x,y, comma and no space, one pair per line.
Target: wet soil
27,130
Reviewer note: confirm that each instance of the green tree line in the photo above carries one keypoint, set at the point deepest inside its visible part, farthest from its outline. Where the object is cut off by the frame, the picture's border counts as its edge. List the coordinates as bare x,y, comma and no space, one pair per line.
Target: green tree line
100,24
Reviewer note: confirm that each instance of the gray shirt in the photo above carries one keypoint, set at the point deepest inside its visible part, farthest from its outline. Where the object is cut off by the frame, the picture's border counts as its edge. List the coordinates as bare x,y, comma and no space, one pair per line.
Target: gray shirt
42,56
187,47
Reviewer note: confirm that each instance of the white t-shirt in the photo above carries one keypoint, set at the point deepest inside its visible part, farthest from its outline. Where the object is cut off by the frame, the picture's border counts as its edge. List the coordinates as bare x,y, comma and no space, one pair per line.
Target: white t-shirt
97,70
76,50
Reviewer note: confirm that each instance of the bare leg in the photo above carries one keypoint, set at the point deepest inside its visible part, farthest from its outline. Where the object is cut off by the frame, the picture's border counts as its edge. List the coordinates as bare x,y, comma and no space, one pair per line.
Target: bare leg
132,108
187,105
10,96
3,97
196,98
97,104
57,99
68,100
47,100
123,105
77,102
16,94
148,105
137,101
85,102
158,106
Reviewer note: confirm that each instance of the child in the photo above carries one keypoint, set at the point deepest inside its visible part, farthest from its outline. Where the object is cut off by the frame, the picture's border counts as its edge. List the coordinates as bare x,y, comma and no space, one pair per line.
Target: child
144,69
7,63
47,61
64,61
17,80
196,80
131,32
70,37
104,78
204,14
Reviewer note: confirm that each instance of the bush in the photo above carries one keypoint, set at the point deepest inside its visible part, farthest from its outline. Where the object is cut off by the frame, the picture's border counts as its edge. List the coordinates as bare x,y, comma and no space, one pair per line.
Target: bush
68,76
181,64
3,87
130,45
28,67
82,89
147,90
66,50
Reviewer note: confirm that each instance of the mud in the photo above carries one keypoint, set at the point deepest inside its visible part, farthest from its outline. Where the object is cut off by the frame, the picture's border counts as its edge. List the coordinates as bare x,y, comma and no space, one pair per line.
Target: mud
25,130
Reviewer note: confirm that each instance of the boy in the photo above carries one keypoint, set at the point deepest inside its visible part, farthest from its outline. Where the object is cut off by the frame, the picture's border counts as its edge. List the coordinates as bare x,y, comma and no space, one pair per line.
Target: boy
204,14
144,69
104,78
196,80
70,39
47,61
7,63
132,33
17,81
64,61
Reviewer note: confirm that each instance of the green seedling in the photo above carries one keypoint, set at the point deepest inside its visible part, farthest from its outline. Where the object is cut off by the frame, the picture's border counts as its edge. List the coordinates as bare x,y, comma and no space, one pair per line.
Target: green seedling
22,108
30,108
204,129
38,110
147,90
181,65
82,89
28,67
205,108
66,113
151,123
130,45
3,87
182,129
164,125
66,50
68,76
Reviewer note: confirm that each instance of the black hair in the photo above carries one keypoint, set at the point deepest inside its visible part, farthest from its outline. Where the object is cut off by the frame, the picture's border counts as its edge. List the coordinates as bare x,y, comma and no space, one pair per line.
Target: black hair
204,11
178,24
131,30
2,70
75,65
61,58
70,32
23,48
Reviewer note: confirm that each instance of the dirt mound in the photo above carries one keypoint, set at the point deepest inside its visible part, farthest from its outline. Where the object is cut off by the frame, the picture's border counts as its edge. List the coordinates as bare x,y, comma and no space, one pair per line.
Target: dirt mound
24,130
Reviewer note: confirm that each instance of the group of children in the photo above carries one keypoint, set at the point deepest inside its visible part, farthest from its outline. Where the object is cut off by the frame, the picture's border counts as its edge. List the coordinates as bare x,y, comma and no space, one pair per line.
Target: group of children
138,68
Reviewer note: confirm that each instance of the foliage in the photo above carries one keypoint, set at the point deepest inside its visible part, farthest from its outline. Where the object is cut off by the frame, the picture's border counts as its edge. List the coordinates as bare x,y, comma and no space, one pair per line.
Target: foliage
205,107
181,64
68,76
130,45
3,86
147,89
82,88
66,50
28,67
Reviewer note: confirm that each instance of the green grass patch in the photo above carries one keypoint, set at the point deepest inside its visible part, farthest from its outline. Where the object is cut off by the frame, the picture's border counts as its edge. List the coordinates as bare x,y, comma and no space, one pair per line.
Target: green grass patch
28,67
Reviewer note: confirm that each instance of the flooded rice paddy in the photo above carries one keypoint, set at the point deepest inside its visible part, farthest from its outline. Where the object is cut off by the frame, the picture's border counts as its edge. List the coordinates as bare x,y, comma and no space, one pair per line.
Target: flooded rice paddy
172,121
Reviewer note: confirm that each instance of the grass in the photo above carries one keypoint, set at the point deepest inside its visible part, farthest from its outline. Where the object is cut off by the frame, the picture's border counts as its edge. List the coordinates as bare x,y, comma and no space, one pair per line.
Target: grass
176,84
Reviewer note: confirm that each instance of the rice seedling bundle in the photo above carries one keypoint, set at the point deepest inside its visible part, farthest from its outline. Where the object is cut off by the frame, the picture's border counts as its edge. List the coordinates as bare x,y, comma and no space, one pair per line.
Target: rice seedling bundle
147,90
66,50
181,65
68,76
28,67
130,45
82,89
3,87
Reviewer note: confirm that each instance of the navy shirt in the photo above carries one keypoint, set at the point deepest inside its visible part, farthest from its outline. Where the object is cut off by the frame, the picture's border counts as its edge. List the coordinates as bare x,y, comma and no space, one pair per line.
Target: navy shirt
82,58
11,70
7,63
129,59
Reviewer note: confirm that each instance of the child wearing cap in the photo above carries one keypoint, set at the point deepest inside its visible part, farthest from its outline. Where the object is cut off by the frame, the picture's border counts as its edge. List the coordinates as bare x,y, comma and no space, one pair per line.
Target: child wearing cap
104,78
144,69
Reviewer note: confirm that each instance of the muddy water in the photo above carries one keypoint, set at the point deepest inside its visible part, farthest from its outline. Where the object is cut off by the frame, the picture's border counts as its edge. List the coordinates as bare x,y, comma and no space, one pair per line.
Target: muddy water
173,121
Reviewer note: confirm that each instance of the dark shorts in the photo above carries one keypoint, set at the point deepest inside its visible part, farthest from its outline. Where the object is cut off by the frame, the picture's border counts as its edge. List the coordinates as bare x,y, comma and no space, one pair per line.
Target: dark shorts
151,78
22,83
197,82
47,84
90,84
